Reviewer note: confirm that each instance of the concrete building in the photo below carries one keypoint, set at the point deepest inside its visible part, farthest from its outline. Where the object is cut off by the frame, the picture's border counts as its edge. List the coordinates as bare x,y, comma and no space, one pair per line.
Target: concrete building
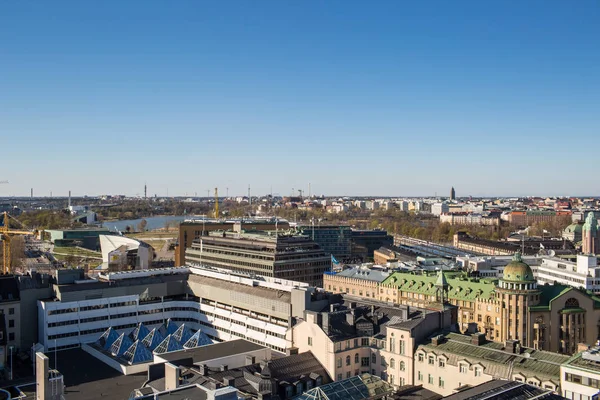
10,311
270,254
583,273
446,363
580,375
335,240
493,266
223,304
465,218
191,230
356,281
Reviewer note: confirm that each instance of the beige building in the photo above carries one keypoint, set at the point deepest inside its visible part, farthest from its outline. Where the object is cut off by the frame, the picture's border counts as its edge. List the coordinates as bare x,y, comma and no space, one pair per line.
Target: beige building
357,281
546,317
447,362
371,337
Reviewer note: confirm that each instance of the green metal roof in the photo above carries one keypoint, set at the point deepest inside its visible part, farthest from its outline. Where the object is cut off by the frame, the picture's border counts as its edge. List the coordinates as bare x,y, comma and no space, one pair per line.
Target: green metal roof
459,287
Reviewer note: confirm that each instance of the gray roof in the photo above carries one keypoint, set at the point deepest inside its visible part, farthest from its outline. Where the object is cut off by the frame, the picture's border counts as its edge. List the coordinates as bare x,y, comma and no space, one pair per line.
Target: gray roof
192,392
504,390
212,351
364,273
497,361
271,294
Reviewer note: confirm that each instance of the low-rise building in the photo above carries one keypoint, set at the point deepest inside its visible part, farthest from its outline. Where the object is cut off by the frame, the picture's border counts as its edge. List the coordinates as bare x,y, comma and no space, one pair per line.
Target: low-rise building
580,375
583,273
356,281
450,361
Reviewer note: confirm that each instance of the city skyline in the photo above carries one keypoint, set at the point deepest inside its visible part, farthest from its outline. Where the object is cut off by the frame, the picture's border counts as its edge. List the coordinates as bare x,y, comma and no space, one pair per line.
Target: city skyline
382,100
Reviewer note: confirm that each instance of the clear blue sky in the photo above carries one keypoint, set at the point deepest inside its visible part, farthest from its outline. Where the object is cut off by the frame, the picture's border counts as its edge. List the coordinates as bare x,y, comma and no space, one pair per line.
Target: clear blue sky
388,98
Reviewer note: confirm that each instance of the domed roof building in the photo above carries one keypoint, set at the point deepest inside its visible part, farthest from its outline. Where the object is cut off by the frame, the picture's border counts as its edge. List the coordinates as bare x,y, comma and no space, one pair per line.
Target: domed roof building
573,232
518,275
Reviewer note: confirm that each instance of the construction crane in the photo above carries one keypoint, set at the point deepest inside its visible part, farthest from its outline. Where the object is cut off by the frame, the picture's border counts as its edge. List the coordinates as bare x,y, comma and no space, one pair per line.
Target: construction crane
216,203
5,234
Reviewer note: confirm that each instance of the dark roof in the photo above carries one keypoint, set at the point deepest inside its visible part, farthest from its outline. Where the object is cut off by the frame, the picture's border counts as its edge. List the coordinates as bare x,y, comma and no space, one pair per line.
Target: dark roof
410,392
290,369
192,392
211,352
504,390
9,288
87,378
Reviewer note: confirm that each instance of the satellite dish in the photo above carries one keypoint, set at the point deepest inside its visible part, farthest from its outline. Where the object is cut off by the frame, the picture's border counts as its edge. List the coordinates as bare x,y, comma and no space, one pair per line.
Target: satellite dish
551,253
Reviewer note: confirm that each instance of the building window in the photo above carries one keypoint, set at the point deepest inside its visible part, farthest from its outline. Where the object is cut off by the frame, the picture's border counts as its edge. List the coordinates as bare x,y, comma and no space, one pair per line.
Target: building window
442,363
364,341
11,323
383,361
348,374
11,336
392,363
477,371
391,379
431,360
430,379
338,346
402,365
355,342
339,377
463,369
441,382
420,376
339,362
373,359
11,311
421,358
402,347
356,358
348,361
392,345
364,361
309,341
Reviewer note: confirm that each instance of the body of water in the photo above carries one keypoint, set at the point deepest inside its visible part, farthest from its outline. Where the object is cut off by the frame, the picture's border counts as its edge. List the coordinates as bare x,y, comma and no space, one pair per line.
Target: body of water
152,222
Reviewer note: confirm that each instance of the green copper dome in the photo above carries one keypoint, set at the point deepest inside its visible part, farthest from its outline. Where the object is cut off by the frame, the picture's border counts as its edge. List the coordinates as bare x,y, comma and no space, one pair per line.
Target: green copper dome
518,271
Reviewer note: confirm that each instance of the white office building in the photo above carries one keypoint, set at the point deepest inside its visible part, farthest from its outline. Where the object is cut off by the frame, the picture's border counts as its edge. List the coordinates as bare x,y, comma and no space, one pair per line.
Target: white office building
583,273
224,305
580,376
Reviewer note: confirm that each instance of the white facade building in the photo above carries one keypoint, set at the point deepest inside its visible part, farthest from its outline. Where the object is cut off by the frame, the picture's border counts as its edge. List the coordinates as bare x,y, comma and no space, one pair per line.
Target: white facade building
223,305
439,208
580,376
584,273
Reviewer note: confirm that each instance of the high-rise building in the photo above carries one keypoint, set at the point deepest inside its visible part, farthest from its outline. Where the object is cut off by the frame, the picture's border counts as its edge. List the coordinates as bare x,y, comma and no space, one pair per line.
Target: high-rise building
590,243
262,253
452,194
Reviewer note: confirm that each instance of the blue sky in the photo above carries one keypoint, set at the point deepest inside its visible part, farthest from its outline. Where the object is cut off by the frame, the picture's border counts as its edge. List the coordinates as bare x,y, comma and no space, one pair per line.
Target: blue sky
381,98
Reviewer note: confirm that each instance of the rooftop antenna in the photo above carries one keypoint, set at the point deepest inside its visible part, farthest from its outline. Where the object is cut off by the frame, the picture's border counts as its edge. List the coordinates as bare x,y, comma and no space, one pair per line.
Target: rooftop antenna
69,199
249,198
145,190
309,190
227,189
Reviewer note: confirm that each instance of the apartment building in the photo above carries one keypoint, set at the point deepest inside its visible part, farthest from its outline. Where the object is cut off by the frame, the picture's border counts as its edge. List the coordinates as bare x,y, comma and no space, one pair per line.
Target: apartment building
367,337
580,375
447,362
271,254
357,281
223,304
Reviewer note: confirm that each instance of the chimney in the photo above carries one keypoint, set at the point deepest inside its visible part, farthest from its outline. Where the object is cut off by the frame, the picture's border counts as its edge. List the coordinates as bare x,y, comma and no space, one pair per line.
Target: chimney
203,369
223,368
351,318
229,381
333,307
472,328
511,346
352,305
478,339
172,376
437,340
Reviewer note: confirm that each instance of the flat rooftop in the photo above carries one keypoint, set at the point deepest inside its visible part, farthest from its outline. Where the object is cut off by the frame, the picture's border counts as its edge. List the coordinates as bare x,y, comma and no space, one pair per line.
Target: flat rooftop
212,351
87,378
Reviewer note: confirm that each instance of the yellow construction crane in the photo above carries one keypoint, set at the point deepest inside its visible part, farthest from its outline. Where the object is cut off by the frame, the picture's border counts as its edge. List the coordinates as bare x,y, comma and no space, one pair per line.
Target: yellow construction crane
5,234
216,203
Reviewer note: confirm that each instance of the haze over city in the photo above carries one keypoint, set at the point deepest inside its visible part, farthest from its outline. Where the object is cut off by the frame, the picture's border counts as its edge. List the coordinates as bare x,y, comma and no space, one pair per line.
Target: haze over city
387,99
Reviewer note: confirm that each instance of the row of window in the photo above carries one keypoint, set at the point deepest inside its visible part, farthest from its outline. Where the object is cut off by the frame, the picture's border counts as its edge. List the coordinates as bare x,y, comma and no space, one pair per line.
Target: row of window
90,308
582,380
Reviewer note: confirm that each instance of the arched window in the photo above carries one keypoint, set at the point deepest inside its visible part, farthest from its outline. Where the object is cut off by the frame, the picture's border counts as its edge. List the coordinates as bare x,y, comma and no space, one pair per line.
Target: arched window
572,303
356,358
347,360
488,319
392,363
402,366
373,358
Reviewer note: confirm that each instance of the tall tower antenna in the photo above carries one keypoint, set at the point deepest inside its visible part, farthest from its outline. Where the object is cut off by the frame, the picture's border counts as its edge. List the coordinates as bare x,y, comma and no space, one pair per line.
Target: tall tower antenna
69,198
309,190
249,198
145,191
